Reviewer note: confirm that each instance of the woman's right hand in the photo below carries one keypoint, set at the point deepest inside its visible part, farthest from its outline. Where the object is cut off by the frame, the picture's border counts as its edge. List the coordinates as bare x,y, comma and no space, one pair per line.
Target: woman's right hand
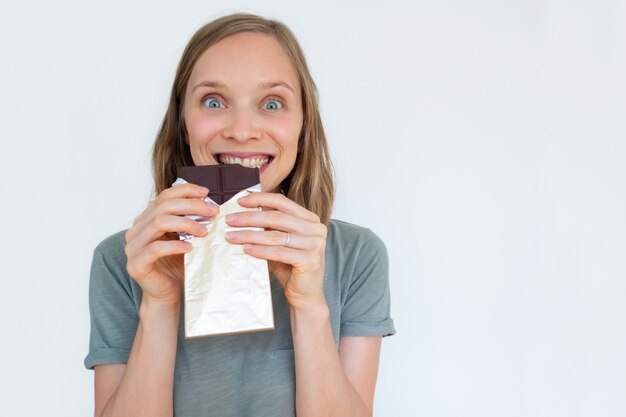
154,252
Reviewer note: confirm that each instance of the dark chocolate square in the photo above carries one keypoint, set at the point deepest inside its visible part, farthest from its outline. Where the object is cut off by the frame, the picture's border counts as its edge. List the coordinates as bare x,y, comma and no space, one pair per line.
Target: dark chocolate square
223,181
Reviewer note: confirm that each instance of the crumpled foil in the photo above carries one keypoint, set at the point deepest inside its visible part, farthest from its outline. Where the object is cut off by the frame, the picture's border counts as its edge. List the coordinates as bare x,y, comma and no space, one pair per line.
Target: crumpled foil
226,290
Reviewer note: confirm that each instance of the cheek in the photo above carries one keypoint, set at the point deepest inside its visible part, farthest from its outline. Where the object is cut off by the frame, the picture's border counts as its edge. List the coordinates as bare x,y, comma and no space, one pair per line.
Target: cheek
200,129
287,133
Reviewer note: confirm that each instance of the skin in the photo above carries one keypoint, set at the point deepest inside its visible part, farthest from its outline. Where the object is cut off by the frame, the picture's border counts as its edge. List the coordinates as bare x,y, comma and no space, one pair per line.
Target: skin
235,110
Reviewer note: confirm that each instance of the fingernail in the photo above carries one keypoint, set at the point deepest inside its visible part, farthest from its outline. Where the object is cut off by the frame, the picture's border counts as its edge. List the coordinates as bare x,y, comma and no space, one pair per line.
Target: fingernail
231,217
203,190
230,235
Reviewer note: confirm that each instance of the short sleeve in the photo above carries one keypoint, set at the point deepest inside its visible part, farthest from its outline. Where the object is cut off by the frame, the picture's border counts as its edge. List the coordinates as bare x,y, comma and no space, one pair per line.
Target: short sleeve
112,307
366,311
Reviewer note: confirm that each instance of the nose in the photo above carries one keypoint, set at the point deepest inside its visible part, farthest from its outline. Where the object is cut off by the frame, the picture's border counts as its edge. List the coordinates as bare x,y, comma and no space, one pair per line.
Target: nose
242,126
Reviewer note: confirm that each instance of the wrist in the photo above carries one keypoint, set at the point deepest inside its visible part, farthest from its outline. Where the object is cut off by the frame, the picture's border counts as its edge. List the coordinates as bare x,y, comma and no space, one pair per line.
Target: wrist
317,309
308,322
154,307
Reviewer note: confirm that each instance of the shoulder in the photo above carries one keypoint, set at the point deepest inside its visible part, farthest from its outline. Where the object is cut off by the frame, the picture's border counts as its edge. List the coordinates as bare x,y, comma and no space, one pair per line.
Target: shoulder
114,301
108,268
113,245
358,280
109,256
351,237
350,249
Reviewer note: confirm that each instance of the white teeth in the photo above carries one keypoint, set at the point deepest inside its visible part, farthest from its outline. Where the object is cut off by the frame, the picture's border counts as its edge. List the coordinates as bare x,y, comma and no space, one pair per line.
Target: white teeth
246,162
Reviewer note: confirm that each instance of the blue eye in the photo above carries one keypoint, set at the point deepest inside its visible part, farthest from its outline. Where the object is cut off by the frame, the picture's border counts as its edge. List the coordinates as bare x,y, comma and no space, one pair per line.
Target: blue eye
213,103
273,104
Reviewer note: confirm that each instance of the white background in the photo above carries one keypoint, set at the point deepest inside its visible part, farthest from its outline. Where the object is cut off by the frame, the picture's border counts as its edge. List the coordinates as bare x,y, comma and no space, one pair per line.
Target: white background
483,141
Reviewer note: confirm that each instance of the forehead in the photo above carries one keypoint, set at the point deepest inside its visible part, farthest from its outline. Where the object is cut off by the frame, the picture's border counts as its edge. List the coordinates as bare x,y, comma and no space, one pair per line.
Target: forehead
245,59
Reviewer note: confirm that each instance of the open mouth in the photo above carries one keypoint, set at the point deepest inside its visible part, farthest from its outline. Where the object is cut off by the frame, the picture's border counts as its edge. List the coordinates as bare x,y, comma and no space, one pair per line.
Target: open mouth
259,161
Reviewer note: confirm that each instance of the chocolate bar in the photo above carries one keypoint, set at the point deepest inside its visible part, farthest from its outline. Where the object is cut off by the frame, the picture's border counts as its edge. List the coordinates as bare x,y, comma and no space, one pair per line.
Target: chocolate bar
223,181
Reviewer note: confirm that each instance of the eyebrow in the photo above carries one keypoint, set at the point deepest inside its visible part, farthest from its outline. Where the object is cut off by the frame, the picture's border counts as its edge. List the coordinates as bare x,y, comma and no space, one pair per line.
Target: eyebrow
272,84
214,84
264,85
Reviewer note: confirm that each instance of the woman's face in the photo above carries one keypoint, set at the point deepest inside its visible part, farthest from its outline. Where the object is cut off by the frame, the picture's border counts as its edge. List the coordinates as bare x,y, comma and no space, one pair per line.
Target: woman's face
243,105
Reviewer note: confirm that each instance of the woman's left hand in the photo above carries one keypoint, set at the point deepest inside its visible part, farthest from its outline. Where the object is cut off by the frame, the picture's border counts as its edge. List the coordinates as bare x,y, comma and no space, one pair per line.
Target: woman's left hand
294,243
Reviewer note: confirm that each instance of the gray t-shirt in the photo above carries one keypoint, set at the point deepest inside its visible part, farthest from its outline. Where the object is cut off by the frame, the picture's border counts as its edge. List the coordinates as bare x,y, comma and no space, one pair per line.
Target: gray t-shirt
245,374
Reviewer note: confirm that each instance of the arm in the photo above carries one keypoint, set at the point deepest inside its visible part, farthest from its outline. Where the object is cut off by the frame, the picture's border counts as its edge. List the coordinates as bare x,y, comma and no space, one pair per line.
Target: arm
328,382
154,259
146,388
331,383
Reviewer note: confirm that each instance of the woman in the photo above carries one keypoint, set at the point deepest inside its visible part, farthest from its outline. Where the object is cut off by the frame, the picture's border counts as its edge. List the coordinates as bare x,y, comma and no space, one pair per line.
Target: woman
242,94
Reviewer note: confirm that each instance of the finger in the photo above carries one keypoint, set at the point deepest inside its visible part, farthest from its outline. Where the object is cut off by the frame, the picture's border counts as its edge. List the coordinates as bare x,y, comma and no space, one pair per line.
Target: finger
184,207
174,206
141,264
275,220
177,191
184,190
161,224
274,238
302,261
278,202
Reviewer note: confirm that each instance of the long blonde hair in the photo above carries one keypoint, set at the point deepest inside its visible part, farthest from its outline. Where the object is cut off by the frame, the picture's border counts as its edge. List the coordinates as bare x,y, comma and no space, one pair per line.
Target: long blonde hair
311,181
